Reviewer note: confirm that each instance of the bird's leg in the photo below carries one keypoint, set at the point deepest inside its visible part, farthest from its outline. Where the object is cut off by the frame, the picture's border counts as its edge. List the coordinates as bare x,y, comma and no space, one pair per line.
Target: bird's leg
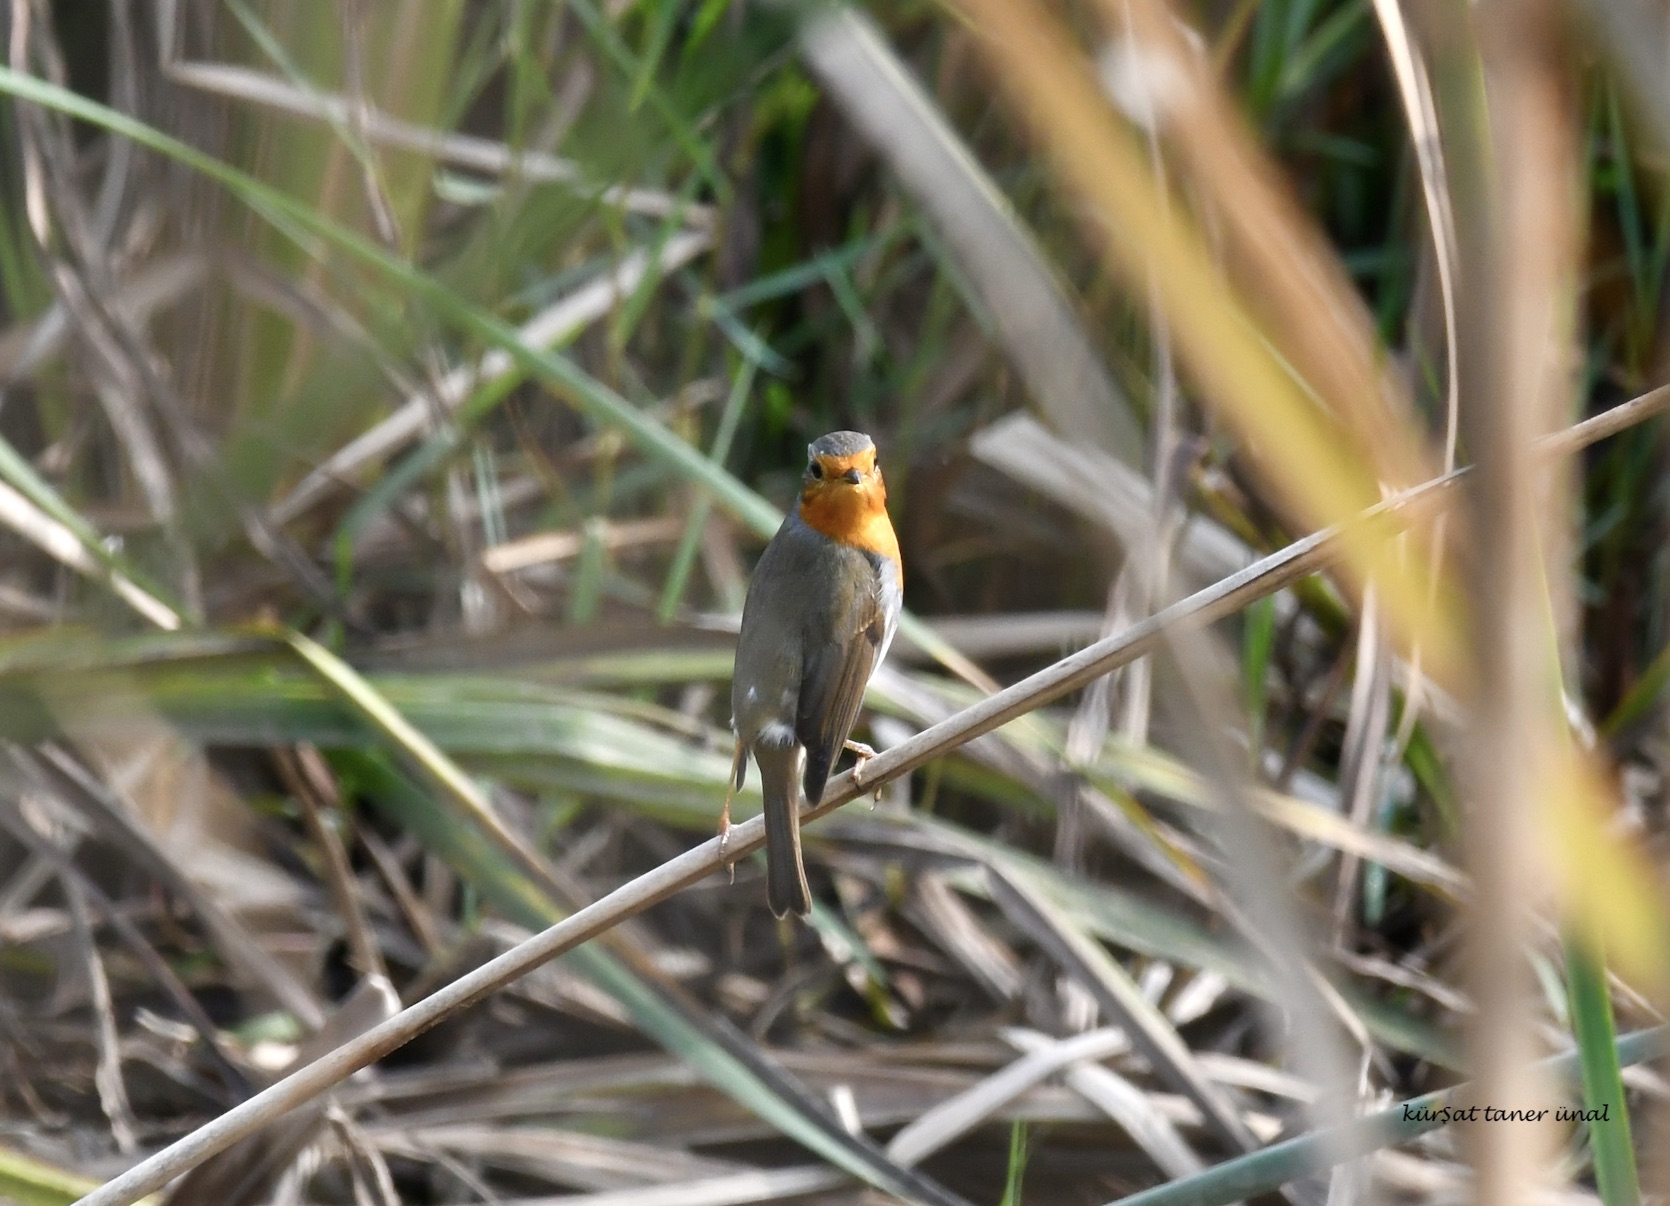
725,812
863,753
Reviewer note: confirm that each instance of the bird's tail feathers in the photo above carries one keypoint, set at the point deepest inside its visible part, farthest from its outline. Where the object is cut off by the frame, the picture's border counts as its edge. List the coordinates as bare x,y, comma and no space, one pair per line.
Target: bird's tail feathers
786,888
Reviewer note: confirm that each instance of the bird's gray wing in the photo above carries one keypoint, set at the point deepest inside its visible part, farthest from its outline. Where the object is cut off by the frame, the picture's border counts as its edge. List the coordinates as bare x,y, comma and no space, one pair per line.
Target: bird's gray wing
832,687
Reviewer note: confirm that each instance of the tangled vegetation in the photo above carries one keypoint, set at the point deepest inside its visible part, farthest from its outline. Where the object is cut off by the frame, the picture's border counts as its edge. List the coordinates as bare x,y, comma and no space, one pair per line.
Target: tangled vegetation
396,396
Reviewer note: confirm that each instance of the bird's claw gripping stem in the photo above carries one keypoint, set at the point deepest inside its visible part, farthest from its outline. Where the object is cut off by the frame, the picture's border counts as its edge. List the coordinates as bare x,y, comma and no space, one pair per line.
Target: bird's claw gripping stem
863,753
725,837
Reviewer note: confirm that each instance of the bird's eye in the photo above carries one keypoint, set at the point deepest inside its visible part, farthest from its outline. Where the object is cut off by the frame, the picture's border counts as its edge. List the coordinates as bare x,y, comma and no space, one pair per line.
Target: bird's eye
815,469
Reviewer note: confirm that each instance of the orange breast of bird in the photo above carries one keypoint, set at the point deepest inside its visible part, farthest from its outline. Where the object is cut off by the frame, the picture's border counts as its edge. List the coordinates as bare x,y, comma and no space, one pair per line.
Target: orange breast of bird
856,517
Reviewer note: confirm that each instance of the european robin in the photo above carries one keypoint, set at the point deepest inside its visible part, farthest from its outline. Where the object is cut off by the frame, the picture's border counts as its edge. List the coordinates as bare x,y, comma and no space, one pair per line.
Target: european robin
820,613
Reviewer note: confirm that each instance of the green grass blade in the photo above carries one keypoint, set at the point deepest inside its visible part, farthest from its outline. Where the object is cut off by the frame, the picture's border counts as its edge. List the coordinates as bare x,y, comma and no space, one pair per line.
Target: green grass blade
665,16
585,595
633,68
1602,1079
30,1182
1640,699
387,720
1257,645
1016,1172
684,557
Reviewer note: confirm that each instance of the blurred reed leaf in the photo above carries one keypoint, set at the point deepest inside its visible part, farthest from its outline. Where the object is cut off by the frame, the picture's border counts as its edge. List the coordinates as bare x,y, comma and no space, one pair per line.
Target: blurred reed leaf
1288,273
531,734
1606,884
1319,470
1014,282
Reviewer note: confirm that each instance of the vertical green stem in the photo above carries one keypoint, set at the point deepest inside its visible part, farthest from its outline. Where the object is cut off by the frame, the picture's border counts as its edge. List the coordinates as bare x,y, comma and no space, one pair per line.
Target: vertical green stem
1603,1084
685,555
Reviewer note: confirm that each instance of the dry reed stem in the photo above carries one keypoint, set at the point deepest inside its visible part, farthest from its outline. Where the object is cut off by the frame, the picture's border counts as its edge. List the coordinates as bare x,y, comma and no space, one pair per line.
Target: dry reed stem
1518,239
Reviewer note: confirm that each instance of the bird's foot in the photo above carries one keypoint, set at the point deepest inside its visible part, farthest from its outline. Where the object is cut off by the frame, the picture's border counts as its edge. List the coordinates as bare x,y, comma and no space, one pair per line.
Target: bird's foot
725,836
863,753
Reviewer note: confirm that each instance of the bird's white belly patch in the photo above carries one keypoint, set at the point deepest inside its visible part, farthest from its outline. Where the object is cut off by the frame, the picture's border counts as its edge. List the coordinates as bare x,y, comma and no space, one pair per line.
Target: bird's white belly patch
775,733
